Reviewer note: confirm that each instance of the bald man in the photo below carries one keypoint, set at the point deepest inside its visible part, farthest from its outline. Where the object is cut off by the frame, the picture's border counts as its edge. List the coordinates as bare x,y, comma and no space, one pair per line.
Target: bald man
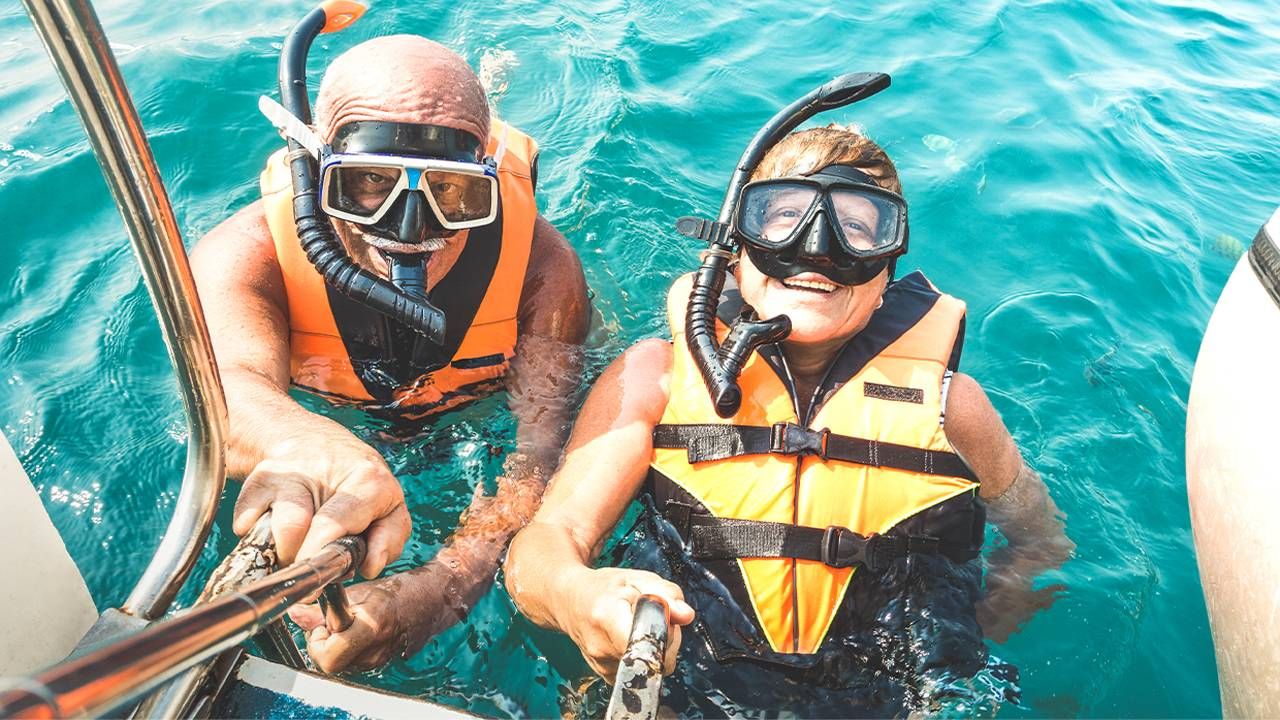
420,183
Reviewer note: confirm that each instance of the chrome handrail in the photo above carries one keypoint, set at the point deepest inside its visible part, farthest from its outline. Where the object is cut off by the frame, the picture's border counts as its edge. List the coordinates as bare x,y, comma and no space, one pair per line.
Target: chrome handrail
75,40
104,679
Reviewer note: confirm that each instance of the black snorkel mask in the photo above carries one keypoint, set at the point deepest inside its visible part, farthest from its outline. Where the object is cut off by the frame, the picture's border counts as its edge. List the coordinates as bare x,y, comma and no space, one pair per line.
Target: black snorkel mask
403,299
813,237
836,222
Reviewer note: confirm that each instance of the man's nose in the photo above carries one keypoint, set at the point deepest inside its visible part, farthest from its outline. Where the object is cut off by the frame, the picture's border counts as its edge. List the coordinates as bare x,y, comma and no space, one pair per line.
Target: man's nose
413,224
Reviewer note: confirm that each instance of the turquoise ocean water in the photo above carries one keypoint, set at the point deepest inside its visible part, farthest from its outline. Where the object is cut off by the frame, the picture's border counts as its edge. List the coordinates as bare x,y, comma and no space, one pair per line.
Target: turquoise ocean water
1083,174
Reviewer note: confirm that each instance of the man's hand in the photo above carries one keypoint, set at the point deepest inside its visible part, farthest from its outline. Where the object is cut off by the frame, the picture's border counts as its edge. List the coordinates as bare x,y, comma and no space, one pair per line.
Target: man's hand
374,635
322,492
392,616
601,607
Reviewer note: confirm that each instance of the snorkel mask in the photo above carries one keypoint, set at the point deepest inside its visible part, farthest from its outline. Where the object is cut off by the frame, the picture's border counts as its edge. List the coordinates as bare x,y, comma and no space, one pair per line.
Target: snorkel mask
406,181
836,222
403,182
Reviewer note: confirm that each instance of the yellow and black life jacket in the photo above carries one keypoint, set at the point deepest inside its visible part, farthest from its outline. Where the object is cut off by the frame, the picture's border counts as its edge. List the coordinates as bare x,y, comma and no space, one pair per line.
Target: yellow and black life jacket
347,352
788,510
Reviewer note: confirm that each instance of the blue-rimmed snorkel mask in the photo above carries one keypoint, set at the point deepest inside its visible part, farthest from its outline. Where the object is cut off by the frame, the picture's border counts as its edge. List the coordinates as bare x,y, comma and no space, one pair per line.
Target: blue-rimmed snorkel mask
407,181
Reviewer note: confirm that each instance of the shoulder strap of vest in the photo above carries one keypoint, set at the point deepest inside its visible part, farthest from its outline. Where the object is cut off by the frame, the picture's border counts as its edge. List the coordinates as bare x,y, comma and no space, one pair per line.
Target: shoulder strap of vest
705,443
906,303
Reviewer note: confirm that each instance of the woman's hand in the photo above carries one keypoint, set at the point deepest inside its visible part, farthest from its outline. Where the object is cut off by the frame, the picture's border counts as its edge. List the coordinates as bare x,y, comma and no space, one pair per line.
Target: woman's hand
320,491
1010,600
601,605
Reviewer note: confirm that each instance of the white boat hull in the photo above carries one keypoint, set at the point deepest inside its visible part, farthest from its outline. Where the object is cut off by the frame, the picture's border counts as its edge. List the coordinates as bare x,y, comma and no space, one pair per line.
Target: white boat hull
46,606
1233,485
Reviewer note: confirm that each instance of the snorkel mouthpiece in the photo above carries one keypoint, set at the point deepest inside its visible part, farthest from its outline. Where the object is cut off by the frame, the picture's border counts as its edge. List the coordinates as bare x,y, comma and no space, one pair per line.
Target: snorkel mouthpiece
720,365
407,304
408,273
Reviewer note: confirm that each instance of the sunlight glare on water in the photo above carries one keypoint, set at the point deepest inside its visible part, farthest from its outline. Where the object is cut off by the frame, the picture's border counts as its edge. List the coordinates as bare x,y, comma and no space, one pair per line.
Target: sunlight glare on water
1084,175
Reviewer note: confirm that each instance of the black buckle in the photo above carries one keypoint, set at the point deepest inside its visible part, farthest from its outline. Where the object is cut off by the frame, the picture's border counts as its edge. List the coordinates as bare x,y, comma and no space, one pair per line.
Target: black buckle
882,550
712,232
843,548
792,439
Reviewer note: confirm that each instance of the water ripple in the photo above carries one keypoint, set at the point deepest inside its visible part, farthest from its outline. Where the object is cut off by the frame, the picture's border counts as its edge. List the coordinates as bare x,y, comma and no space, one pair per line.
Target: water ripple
1084,175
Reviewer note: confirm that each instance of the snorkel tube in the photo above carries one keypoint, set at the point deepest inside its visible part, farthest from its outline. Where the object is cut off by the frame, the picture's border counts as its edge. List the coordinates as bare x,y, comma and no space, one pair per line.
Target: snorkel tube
720,364
323,249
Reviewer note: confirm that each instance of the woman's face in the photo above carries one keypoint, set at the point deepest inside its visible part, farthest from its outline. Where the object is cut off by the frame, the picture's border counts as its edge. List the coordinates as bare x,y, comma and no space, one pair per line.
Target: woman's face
821,311
857,217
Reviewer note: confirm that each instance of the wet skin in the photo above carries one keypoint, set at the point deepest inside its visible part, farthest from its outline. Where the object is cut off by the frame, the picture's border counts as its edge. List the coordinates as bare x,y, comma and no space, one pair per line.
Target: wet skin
548,568
318,480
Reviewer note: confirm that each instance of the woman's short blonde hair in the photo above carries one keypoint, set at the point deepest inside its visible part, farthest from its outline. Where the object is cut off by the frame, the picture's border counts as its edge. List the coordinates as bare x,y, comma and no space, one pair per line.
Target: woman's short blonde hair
808,151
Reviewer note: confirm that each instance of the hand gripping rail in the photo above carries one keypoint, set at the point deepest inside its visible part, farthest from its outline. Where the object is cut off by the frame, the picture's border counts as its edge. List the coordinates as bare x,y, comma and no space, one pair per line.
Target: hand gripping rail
637,687
106,678
74,38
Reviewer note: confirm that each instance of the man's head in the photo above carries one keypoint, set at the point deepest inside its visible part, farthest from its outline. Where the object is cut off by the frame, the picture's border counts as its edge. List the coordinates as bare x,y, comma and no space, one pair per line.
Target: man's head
811,277
400,95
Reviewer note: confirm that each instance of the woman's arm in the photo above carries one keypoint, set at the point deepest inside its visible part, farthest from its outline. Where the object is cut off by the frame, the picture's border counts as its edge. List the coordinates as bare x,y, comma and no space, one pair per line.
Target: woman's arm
548,566
1018,502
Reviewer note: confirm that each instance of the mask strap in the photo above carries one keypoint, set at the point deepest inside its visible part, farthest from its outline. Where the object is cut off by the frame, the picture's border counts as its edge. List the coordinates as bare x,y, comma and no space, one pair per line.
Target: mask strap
293,128
502,147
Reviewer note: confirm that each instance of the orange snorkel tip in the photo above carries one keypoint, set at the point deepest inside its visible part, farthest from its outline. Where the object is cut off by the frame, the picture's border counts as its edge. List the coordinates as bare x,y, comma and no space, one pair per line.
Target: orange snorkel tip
338,14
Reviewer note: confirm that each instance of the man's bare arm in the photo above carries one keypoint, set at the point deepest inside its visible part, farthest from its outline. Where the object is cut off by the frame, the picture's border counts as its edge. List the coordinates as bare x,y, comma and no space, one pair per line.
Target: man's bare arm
542,384
398,614
319,480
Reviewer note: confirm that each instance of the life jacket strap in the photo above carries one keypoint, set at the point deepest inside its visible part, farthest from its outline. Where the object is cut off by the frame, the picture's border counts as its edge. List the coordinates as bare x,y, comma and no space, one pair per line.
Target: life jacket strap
713,538
709,442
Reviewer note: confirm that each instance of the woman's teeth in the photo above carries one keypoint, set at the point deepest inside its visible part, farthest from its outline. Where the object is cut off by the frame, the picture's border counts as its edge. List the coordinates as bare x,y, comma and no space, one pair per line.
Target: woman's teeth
812,285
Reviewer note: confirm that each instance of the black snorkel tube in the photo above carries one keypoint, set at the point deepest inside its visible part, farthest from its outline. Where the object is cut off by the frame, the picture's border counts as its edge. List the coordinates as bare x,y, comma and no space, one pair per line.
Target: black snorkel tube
321,245
720,364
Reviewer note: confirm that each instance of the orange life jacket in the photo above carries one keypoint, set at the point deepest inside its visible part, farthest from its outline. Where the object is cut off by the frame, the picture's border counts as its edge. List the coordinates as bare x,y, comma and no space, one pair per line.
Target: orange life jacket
813,489
344,351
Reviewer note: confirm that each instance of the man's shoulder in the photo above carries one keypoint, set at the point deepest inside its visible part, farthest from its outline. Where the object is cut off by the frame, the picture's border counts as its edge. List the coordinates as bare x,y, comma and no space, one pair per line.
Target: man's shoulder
239,249
554,285
245,231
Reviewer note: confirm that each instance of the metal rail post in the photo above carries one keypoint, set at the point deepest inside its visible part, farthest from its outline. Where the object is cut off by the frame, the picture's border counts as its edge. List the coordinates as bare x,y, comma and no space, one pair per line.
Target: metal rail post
74,38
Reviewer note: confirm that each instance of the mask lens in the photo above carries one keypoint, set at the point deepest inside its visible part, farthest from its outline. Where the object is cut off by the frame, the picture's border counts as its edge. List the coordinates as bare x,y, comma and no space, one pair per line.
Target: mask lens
461,197
770,213
361,190
867,222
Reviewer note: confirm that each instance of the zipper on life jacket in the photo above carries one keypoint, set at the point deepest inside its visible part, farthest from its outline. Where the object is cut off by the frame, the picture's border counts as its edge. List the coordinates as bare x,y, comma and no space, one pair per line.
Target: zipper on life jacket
805,419
789,381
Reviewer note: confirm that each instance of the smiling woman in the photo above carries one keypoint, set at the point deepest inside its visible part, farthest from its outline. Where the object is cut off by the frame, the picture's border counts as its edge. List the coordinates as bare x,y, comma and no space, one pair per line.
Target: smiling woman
820,544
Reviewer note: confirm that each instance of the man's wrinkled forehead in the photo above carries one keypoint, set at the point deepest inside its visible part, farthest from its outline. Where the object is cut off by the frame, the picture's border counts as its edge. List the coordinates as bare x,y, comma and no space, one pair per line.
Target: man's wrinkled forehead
402,79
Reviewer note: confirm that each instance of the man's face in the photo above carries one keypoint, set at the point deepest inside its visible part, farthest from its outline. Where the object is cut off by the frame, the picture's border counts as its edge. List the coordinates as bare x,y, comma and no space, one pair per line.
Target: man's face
367,246
410,224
